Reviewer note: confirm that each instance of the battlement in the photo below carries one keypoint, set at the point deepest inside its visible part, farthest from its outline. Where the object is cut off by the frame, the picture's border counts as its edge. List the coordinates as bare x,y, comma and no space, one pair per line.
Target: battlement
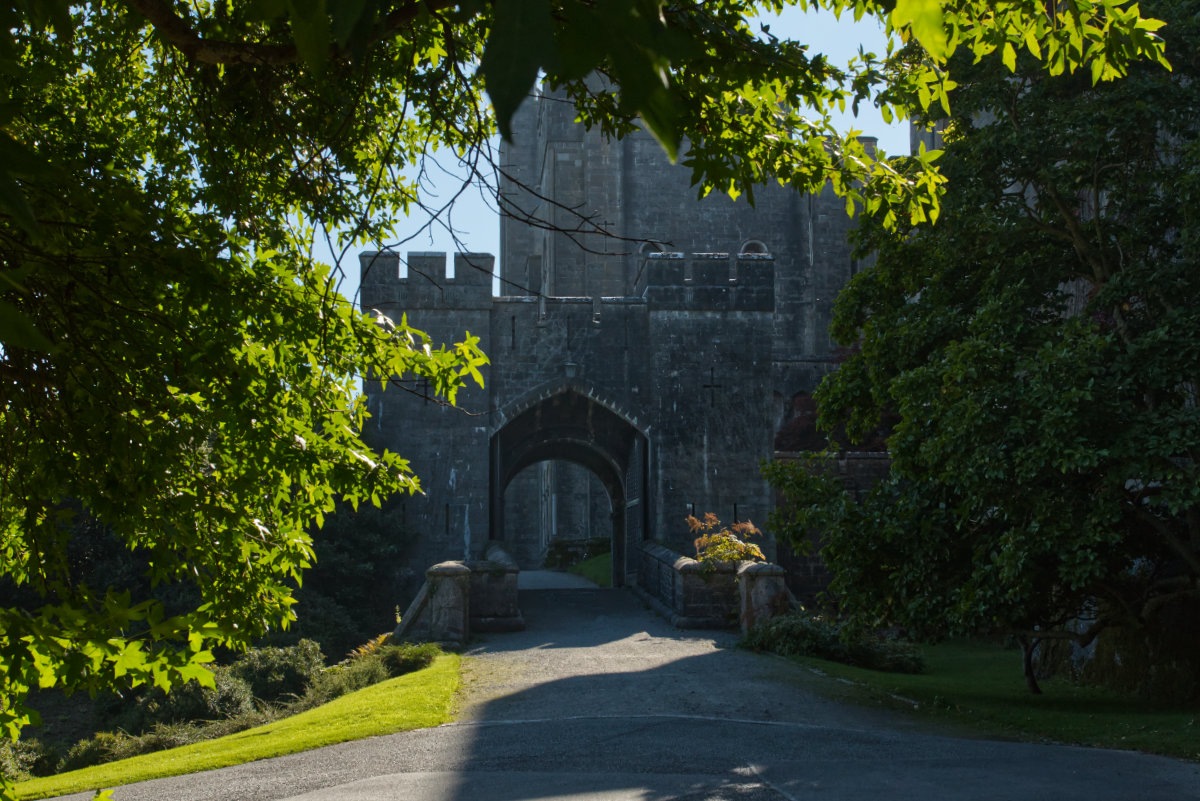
708,281
420,280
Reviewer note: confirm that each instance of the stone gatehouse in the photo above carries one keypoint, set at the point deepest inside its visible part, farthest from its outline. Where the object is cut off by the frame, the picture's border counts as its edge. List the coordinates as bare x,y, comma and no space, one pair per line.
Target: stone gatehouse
634,378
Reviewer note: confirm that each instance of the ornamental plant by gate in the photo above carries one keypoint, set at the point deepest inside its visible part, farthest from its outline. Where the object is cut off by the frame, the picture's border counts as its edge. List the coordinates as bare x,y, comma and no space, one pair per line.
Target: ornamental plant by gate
719,543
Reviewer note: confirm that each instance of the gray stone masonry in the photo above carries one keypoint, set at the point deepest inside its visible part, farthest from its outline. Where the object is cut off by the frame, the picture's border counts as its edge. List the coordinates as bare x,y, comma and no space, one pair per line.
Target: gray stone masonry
763,593
441,610
494,593
459,598
635,378
692,595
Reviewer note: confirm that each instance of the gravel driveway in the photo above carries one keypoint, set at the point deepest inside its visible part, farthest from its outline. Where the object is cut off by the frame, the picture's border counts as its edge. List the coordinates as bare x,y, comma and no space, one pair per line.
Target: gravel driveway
599,700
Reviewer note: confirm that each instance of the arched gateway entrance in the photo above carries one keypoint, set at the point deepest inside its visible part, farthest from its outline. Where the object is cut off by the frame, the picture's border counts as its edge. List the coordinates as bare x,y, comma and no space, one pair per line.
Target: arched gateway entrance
571,424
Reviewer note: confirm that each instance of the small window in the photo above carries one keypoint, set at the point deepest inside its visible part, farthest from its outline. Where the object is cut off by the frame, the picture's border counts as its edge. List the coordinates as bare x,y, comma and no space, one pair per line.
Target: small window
754,246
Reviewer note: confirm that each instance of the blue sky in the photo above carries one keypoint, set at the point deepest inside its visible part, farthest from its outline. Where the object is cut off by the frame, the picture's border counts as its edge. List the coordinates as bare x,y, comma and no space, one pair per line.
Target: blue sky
475,219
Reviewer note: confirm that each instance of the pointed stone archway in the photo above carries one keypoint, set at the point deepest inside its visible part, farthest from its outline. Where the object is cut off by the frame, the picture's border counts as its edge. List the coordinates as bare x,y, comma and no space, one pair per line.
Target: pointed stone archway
569,423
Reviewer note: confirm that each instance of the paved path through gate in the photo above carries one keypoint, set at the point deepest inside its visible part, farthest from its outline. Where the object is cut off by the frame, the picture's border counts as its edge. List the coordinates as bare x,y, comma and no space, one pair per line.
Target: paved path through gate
600,700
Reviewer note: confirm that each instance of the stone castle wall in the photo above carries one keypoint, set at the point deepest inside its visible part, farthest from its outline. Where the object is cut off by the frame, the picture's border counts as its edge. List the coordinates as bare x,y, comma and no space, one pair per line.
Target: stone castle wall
677,329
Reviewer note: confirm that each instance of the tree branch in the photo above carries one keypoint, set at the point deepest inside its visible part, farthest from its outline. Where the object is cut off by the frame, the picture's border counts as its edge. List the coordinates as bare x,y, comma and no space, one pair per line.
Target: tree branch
179,33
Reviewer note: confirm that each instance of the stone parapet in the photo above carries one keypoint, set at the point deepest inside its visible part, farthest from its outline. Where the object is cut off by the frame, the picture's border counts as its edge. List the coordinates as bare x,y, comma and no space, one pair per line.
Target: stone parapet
708,282
693,595
494,606
420,282
763,593
460,597
441,611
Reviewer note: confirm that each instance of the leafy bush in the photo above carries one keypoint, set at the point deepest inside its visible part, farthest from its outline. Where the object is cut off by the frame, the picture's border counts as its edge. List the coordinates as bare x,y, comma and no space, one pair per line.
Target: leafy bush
109,746
138,712
408,657
327,621
101,747
345,678
804,634
718,543
376,661
350,592
25,758
373,663
276,673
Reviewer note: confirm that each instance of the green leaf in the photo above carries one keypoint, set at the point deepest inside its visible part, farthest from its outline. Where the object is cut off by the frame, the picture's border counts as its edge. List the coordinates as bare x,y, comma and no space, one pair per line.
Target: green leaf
925,20
311,32
1008,55
520,43
349,19
661,115
267,9
17,330
13,202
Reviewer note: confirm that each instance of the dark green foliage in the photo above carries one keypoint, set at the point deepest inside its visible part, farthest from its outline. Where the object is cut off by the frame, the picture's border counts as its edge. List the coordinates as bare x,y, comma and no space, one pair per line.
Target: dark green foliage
370,666
804,634
109,746
139,712
158,722
25,758
277,674
350,594
407,657
104,746
1041,347
341,679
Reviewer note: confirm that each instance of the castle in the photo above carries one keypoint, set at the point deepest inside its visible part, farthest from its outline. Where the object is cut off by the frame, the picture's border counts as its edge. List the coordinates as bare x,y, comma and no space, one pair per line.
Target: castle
635,378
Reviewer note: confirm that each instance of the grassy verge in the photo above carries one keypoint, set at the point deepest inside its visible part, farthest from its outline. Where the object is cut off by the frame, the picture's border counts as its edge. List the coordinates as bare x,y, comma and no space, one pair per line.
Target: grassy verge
412,701
597,570
980,687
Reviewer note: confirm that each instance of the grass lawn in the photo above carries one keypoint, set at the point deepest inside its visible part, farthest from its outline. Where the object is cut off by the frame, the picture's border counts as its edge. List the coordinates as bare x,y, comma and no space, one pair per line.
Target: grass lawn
413,701
597,570
980,686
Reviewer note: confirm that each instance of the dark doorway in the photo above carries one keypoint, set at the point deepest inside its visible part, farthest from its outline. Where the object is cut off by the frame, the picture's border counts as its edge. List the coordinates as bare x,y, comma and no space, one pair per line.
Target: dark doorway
571,426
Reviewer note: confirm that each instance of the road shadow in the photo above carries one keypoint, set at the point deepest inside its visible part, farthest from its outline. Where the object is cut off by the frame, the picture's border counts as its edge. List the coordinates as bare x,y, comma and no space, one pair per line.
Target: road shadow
627,707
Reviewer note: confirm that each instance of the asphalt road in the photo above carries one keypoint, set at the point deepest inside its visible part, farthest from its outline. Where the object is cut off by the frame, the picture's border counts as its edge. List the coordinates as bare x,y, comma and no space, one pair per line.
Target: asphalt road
600,700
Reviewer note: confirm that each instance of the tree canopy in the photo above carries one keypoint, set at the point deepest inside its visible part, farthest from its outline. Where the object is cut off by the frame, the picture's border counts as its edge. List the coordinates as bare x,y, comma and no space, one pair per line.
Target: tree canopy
1040,346
176,364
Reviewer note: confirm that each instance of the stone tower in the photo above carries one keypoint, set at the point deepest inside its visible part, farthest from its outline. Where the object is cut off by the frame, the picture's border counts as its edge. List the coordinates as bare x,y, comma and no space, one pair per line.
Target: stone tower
635,378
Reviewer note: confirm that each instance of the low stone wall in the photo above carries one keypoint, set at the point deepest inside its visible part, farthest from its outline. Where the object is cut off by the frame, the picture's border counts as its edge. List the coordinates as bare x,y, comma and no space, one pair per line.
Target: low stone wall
763,593
696,596
460,597
494,592
441,611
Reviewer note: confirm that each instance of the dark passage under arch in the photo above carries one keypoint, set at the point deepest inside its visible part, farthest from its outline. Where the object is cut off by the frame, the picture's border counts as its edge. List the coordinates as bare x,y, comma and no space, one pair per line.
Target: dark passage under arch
570,425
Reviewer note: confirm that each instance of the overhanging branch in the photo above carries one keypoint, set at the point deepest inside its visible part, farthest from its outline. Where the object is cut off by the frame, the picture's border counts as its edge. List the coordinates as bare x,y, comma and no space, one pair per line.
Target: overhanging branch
179,33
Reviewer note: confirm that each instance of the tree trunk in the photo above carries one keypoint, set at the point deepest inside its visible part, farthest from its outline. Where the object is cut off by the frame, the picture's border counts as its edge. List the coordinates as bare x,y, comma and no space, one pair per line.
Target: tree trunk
1028,646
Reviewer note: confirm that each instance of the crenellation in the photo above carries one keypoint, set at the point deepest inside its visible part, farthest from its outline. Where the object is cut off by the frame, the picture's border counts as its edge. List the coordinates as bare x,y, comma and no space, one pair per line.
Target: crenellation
631,381
378,268
709,270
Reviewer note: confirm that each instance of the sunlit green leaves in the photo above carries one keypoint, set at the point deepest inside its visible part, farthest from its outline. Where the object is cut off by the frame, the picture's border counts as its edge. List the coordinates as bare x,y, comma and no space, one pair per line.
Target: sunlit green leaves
924,19
168,342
